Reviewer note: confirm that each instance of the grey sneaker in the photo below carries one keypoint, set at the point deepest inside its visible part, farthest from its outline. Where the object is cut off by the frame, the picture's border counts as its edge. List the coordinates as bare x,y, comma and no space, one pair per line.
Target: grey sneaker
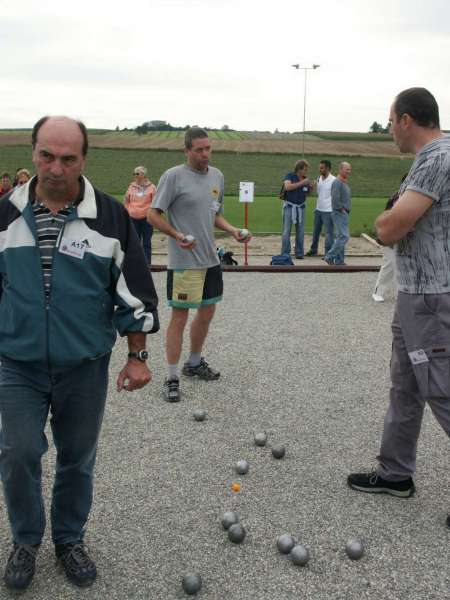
20,567
372,482
202,371
172,390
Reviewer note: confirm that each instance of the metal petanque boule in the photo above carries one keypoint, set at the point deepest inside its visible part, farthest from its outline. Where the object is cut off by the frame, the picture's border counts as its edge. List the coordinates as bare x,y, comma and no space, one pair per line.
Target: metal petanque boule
242,467
199,414
260,439
285,543
354,549
236,533
191,583
299,555
278,451
229,518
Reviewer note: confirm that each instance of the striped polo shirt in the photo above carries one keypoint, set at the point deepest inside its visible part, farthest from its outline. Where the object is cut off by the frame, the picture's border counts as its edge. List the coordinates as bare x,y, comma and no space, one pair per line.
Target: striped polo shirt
48,227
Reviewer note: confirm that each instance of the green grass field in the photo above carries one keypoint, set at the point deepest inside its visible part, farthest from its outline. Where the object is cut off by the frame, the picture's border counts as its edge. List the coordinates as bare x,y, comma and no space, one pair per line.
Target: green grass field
264,215
111,169
342,136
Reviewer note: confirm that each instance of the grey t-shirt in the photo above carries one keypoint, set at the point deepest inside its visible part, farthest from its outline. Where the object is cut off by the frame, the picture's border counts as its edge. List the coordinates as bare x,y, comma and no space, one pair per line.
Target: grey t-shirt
341,196
191,199
423,255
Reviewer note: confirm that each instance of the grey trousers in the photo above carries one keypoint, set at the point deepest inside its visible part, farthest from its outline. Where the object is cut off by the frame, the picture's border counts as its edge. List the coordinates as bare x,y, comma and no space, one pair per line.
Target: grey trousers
421,323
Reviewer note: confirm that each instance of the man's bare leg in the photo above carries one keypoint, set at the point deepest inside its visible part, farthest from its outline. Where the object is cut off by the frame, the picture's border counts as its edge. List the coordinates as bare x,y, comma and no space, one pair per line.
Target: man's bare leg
200,326
174,334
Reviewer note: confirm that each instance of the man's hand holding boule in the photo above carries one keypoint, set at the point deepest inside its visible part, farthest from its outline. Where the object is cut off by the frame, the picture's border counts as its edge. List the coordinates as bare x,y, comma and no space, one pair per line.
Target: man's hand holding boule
187,242
242,235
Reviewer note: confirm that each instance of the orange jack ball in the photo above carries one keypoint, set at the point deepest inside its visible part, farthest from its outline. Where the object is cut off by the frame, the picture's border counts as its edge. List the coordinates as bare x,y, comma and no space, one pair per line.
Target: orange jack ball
236,487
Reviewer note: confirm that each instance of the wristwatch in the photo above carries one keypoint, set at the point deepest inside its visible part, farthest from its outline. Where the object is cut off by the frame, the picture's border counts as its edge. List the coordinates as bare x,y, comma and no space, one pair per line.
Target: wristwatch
142,355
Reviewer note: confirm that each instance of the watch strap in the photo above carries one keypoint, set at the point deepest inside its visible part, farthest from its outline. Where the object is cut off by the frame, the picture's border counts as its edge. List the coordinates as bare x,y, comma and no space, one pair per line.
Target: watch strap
141,355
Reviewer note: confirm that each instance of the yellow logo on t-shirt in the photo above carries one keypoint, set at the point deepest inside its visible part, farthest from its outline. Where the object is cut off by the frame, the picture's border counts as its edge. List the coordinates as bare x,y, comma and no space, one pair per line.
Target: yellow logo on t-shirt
215,192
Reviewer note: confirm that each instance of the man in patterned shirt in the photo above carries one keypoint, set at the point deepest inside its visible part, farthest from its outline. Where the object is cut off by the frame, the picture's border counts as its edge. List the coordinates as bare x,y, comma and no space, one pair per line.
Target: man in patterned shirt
418,226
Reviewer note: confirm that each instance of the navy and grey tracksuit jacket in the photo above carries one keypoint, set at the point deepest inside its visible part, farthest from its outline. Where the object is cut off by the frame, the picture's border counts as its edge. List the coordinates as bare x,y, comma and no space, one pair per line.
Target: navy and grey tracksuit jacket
108,289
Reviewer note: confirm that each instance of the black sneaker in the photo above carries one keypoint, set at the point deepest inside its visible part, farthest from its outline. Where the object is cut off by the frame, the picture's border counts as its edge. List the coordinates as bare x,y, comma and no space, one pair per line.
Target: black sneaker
311,253
202,370
372,482
172,390
79,567
20,567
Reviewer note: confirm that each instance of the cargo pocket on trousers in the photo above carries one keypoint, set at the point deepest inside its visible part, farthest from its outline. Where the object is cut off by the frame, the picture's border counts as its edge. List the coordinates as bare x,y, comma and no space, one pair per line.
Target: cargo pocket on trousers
433,377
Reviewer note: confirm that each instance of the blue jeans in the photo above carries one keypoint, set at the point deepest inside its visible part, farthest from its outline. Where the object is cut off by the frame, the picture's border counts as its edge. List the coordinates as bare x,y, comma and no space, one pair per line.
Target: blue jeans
145,232
322,219
336,252
76,398
299,230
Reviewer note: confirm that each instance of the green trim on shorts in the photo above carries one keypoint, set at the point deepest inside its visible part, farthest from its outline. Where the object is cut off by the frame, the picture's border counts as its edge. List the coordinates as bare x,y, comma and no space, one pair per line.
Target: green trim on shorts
211,300
176,304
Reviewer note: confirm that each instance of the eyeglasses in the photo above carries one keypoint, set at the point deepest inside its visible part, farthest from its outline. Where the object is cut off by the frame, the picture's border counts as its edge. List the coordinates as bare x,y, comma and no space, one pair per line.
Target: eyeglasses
137,174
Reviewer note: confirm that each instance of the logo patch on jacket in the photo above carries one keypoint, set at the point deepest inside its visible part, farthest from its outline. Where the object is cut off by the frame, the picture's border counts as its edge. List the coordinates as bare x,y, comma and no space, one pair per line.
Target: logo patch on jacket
182,296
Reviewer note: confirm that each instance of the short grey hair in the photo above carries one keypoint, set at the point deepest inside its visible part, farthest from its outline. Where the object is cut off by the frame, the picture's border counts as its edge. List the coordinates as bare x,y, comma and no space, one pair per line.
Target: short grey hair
141,169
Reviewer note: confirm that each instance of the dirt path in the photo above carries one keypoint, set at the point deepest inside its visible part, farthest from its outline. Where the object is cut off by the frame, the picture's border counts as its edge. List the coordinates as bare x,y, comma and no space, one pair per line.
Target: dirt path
271,244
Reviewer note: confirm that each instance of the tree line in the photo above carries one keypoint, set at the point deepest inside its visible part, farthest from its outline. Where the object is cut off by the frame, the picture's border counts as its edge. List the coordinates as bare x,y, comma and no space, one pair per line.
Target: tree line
378,128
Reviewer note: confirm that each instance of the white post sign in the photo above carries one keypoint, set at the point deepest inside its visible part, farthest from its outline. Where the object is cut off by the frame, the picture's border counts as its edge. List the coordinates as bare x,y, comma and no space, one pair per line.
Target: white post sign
246,191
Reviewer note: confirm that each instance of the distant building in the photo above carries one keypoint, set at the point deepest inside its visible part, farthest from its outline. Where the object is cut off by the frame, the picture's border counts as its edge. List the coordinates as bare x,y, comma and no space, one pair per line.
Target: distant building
155,124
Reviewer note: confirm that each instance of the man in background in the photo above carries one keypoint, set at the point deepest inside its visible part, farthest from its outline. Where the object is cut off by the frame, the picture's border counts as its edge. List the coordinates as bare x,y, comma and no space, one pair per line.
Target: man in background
341,204
297,186
323,211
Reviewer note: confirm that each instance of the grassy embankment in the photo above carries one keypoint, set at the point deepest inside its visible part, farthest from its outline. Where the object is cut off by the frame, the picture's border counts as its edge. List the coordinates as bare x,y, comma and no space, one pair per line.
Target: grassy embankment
373,180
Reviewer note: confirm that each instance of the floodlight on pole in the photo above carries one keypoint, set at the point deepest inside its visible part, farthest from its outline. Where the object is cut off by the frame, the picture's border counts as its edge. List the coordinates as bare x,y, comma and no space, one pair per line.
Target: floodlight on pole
313,67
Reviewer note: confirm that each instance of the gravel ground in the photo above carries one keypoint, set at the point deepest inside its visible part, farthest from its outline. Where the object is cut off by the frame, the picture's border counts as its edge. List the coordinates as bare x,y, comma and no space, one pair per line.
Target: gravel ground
304,357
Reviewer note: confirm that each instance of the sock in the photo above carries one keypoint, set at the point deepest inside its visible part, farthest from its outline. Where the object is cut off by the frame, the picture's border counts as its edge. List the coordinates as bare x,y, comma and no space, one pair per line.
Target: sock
194,359
173,371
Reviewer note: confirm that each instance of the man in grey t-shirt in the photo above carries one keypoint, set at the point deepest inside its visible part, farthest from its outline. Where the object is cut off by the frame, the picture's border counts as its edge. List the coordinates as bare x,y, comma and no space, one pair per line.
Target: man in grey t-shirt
418,225
191,195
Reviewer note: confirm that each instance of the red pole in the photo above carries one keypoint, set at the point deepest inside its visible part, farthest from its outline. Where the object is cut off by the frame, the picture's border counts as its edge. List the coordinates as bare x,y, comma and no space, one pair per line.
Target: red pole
246,227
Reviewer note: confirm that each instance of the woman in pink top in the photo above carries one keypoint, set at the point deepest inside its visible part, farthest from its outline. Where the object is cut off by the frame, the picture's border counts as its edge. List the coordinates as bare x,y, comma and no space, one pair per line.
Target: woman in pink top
138,200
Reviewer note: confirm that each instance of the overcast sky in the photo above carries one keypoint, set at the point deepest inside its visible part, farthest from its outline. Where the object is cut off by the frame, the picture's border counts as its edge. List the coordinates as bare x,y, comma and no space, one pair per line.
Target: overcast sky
217,62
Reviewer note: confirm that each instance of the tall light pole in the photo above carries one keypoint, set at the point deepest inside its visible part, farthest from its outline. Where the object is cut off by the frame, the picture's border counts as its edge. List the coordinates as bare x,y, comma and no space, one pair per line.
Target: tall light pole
305,69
